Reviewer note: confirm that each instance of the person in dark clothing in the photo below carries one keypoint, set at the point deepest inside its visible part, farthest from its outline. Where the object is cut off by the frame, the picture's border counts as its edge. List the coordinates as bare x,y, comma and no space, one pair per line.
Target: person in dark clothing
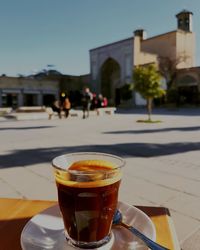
94,102
66,106
56,107
86,102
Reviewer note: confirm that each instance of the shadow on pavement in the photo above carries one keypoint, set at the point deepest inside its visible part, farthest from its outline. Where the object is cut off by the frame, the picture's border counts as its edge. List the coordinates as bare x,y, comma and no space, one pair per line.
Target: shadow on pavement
45,155
145,131
161,111
25,128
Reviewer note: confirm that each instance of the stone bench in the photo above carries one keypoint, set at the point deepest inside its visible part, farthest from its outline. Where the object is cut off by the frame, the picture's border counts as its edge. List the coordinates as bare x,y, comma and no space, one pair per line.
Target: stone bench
77,113
31,109
107,110
72,112
28,113
5,110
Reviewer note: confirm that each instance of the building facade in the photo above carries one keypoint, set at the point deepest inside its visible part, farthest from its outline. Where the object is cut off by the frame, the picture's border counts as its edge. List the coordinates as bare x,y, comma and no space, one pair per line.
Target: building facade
112,65
187,86
41,89
24,91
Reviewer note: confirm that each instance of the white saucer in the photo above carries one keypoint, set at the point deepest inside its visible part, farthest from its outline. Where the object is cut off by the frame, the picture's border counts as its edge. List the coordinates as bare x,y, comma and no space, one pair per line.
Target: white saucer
45,231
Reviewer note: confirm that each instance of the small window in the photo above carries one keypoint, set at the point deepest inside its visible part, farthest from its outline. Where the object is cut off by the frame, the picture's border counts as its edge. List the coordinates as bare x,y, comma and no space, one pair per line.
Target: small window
180,22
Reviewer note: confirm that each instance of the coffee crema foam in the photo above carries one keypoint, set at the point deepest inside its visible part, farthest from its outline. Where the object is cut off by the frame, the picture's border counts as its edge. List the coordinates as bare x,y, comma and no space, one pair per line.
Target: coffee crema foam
89,173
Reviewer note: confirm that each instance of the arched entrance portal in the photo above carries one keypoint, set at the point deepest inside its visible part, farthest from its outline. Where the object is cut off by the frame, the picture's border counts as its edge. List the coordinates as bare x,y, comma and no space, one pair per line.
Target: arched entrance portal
110,79
188,90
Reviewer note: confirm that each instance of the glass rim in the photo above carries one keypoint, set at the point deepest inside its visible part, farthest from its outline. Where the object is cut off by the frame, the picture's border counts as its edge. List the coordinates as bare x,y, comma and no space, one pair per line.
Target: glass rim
121,160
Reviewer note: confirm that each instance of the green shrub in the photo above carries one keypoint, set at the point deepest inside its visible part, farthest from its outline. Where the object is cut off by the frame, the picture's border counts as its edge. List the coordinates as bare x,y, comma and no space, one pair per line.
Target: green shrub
126,91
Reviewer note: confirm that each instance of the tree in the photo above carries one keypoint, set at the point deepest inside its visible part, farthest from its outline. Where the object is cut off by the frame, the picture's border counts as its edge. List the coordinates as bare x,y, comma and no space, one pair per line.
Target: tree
147,81
168,67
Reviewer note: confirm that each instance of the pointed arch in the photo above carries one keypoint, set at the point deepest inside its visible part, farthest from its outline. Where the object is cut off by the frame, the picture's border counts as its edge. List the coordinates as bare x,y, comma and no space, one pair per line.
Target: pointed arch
110,78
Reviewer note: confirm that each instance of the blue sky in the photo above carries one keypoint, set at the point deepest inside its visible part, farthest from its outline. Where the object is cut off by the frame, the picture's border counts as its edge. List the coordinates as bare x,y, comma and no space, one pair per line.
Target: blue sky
35,33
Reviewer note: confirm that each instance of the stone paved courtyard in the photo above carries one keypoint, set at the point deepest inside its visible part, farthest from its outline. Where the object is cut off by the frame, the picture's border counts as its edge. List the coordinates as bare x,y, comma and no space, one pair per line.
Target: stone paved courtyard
162,159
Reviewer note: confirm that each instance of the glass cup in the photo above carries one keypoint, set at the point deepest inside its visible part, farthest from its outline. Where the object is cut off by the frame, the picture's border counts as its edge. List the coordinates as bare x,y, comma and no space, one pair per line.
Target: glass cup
87,185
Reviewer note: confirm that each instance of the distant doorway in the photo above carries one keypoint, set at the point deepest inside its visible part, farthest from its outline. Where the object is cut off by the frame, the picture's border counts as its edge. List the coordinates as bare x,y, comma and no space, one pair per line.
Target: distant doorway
117,97
10,100
188,95
30,100
110,78
188,92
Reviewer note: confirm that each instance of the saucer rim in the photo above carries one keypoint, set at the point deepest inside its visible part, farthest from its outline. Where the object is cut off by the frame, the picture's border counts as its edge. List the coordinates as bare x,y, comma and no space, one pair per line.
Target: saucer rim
153,238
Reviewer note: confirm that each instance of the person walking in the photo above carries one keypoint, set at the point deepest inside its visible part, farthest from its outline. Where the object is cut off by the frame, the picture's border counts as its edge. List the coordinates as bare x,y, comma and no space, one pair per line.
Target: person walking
86,102
66,106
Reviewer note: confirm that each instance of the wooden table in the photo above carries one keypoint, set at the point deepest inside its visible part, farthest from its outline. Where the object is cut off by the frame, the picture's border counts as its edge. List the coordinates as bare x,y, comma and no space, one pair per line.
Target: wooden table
15,213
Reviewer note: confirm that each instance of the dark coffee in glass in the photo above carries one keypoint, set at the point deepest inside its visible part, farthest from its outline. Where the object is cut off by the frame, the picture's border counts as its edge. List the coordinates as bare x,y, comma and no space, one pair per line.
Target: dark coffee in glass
87,185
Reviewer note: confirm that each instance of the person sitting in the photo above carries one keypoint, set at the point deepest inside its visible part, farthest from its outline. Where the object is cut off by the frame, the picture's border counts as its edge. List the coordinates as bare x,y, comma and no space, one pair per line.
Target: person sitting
102,101
105,102
56,107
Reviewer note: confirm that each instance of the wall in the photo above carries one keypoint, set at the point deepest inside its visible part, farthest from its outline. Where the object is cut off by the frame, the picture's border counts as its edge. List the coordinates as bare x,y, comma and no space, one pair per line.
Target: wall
17,88
141,57
163,45
121,52
185,48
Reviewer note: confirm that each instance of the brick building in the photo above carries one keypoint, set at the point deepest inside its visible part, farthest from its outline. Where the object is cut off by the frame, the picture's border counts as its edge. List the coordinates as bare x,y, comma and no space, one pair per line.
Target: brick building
112,64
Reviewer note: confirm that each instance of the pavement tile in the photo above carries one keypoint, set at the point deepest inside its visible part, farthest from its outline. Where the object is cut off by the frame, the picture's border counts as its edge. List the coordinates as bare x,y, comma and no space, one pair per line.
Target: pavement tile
43,170
134,200
185,204
186,169
8,191
192,242
184,225
133,186
29,184
169,180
